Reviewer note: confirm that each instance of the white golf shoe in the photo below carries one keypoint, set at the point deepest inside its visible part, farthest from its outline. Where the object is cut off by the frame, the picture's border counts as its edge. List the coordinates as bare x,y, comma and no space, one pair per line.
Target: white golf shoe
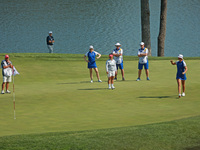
91,81
99,81
183,94
2,92
8,92
113,87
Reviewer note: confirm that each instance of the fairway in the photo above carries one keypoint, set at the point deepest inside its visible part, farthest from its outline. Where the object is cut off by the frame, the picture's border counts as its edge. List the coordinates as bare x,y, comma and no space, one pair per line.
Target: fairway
54,94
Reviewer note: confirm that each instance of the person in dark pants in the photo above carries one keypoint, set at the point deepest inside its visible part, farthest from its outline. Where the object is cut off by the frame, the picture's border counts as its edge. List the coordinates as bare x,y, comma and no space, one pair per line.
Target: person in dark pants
50,42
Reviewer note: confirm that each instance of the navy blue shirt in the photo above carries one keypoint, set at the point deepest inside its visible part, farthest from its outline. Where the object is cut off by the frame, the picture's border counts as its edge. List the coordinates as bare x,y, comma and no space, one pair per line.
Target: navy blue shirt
49,38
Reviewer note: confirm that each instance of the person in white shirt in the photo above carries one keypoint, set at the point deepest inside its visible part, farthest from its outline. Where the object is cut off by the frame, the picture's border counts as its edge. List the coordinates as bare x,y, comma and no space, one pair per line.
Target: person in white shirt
118,57
6,66
110,70
143,61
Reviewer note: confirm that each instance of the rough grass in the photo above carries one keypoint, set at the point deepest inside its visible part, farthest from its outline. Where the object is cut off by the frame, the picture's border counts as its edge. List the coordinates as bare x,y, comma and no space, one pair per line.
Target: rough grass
53,94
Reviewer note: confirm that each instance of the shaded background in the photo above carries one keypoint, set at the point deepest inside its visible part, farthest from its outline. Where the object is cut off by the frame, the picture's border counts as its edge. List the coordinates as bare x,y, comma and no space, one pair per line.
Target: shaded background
76,24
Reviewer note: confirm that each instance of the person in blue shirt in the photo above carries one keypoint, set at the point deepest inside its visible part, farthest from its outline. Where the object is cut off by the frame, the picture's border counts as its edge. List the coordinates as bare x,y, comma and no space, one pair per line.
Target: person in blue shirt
181,73
143,61
91,62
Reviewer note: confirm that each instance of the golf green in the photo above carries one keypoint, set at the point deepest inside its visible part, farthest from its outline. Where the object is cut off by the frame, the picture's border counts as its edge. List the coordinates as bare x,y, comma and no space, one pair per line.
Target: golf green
54,94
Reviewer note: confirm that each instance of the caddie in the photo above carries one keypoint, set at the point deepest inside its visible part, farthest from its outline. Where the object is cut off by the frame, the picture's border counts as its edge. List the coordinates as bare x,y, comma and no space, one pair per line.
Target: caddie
118,57
6,66
143,61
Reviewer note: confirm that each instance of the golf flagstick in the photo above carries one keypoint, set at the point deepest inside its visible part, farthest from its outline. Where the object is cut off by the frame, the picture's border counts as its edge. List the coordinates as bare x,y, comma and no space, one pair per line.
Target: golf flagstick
15,72
14,94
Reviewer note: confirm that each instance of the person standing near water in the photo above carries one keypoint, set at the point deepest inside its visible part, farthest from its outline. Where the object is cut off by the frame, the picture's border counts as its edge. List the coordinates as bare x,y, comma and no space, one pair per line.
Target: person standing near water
181,74
50,42
91,62
110,70
118,57
143,61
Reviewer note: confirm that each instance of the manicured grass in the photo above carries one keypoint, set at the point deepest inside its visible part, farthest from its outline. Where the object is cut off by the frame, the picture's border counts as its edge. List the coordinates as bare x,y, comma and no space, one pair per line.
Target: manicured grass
174,135
53,94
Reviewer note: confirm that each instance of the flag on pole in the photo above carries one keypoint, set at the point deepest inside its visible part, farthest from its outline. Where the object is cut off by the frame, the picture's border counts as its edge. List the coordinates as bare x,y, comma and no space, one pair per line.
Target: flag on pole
15,72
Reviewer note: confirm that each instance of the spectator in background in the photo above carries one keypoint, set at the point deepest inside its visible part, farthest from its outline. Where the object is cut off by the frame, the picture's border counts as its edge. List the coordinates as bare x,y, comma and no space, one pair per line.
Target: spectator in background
50,42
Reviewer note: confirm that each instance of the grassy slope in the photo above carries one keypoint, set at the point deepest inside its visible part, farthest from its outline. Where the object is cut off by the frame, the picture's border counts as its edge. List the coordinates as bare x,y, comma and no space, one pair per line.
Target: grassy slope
176,135
53,94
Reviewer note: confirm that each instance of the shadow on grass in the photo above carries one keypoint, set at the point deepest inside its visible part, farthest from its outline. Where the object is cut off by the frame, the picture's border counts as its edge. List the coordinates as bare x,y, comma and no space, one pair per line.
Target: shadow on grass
157,97
94,89
193,148
80,82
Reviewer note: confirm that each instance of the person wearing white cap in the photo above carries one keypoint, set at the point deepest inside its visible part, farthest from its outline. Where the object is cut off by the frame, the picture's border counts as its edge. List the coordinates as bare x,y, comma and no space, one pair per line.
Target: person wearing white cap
50,42
143,61
6,66
118,57
181,73
91,62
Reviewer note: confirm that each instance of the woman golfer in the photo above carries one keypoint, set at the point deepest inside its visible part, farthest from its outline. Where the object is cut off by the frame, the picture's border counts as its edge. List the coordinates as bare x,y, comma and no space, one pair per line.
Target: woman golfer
111,70
91,62
181,73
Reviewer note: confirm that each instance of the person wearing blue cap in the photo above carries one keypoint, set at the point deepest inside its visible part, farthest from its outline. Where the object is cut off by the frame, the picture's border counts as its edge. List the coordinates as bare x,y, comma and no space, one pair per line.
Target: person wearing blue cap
181,73
50,42
91,62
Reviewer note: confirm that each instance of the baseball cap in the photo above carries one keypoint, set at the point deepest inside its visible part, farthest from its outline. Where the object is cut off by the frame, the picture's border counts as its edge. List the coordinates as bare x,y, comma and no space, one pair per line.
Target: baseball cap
6,56
180,56
91,47
117,44
142,43
110,55
50,32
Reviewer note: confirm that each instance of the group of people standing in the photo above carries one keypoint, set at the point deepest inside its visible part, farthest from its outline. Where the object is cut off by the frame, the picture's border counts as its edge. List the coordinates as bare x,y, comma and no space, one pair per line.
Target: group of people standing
112,65
115,62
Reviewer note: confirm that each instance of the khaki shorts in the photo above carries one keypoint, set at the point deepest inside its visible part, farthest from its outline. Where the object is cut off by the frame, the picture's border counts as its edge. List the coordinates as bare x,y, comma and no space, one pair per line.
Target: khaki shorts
111,73
7,79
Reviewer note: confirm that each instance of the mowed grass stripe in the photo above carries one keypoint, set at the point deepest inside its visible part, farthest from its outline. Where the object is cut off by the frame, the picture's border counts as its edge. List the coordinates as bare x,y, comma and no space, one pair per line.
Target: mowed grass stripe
180,134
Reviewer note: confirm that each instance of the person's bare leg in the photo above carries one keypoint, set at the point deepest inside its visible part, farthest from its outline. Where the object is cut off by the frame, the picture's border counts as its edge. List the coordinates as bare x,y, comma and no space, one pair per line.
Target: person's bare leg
147,72
7,86
122,72
3,85
139,73
183,86
91,77
179,87
97,73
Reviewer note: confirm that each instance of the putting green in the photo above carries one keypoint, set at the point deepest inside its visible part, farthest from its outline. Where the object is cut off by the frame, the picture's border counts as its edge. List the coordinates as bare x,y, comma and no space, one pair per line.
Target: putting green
54,93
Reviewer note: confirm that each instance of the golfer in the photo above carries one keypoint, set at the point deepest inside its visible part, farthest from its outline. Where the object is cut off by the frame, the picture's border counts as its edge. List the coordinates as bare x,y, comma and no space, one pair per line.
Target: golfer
181,74
50,42
110,70
118,57
91,62
143,61
6,66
